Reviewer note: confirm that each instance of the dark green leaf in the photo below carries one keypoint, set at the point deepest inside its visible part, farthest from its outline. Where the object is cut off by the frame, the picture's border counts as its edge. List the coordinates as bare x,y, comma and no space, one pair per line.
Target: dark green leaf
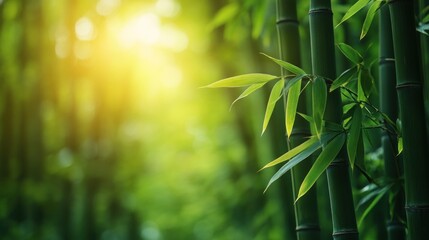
288,66
350,53
291,106
369,17
354,134
319,97
343,78
322,162
353,10
276,93
380,194
243,80
400,145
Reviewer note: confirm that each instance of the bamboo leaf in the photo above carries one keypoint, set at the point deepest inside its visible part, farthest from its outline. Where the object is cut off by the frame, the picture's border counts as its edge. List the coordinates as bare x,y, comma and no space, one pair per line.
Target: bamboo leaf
350,53
291,106
309,119
288,66
299,158
224,15
322,162
361,93
367,82
370,17
422,28
354,134
353,10
276,93
243,80
291,82
252,88
343,78
380,195
319,96
293,152
400,145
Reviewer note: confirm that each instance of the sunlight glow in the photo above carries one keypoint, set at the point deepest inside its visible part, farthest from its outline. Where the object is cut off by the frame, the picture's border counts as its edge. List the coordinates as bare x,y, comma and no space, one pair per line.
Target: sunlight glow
106,7
145,29
84,29
167,8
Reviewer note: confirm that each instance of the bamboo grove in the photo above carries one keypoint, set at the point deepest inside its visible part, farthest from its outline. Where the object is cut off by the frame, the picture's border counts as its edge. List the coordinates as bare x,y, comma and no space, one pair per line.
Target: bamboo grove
362,100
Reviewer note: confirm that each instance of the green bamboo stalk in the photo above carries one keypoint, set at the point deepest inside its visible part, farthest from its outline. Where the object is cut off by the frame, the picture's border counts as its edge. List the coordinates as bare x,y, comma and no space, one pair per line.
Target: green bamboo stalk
424,42
323,61
388,105
306,212
410,97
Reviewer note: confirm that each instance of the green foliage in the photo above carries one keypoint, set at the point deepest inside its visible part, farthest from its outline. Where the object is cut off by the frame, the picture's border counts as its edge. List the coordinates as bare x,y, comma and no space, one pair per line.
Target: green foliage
319,97
243,80
276,94
322,162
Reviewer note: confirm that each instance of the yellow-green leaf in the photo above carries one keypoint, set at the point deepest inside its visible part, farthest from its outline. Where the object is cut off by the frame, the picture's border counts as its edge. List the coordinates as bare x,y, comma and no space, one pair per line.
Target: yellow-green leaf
248,91
319,96
243,80
293,152
353,10
224,15
288,66
300,157
276,93
322,162
369,17
291,106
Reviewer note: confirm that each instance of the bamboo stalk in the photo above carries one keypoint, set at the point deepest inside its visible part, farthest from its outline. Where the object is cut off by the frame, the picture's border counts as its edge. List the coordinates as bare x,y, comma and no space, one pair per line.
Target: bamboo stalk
388,105
306,212
323,61
410,97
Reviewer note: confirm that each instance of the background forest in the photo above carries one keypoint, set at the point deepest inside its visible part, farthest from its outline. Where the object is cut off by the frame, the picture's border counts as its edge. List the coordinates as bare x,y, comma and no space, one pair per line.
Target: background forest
106,133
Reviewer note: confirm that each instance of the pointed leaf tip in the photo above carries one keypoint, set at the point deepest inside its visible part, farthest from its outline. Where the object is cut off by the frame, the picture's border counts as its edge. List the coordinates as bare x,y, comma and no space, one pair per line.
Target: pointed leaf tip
288,66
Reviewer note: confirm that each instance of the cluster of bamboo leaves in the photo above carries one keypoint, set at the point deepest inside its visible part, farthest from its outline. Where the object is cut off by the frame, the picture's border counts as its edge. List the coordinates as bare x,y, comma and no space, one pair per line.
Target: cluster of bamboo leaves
356,84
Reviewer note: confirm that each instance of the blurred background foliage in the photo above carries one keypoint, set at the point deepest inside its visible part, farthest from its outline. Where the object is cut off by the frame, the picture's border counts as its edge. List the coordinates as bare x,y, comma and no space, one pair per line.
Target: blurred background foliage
105,132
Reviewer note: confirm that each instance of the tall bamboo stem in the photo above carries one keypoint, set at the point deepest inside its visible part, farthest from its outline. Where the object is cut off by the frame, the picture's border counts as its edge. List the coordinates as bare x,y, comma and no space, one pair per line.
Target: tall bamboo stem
410,97
323,61
388,105
306,213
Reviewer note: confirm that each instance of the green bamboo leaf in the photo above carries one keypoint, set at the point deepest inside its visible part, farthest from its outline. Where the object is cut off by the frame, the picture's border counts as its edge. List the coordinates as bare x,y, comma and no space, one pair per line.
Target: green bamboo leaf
343,78
319,96
354,134
275,95
361,93
423,28
291,82
293,152
288,66
322,162
243,80
353,10
369,17
360,154
309,119
300,157
380,194
291,106
400,145
252,88
224,15
350,53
